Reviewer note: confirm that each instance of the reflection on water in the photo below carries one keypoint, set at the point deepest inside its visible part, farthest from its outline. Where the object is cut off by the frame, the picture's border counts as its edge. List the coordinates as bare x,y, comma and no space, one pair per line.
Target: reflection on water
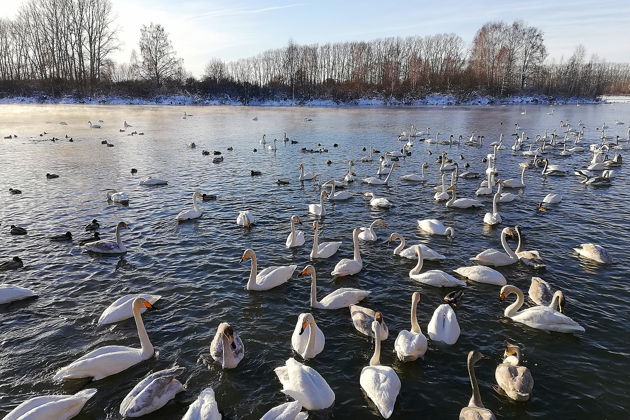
195,266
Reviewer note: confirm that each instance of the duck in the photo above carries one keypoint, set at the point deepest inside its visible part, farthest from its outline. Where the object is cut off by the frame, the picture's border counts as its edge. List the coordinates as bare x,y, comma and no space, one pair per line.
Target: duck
368,233
13,264
152,393
482,274
494,218
349,267
296,237
435,227
514,380
532,258
475,409
57,407
208,197
325,249
14,191
593,252
461,203
411,345
380,383
552,199
52,176
191,214
307,339
372,180
95,237
539,317
109,360
378,202
226,347
17,230
362,318
9,293
443,326
150,181
122,309
437,278
118,197
245,218
305,385
410,253
495,257
306,176
268,278
105,246
318,209
340,298
204,407
287,411
66,237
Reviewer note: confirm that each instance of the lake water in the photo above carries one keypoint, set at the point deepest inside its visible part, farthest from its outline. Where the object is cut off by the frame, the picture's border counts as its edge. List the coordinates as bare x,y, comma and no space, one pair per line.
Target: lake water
195,266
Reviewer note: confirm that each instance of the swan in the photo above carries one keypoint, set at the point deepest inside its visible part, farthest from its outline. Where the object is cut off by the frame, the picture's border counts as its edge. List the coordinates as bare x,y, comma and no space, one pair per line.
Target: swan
380,383
273,146
552,169
443,194
593,252
287,411
296,237
532,258
338,196
378,202
410,345
443,326
305,385
190,214
152,393
552,198
268,278
508,197
486,186
340,298
118,197
410,253
368,234
416,177
121,309
307,339
516,381
539,317
435,227
57,407
482,274
150,181
9,293
376,181
262,140
306,176
318,209
437,278
495,257
325,249
204,407
126,124
349,267
108,247
475,409
516,183
227,347
540,292
494,218
109,360
462,203
94,125
13,264
245,218
362,318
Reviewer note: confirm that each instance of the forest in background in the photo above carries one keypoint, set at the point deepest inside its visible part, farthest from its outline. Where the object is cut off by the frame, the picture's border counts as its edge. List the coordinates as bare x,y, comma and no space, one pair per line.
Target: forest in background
64,47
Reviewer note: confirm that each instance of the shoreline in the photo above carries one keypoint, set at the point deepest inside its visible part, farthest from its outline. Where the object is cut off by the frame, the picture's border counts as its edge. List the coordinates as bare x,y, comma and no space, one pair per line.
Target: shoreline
196,100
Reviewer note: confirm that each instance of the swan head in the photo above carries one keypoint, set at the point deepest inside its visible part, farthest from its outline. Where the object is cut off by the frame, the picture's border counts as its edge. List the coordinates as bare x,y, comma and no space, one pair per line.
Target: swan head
558,297
369,194
295,219
512,350
474,356
324,194
507,290
454,299
376,325
306,320
227,331
139,303
378,317
309,269
380,222
315,225
394,236
121,225
248,254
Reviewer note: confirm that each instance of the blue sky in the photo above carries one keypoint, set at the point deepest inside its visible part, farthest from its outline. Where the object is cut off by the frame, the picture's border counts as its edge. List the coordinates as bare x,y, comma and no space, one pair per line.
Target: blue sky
201,29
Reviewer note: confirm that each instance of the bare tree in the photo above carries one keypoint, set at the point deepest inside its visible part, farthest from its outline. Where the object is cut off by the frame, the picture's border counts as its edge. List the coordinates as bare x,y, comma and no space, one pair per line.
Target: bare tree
159,61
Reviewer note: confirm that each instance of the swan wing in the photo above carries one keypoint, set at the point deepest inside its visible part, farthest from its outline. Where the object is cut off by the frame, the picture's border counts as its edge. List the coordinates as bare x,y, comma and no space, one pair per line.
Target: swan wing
476,413
101,363
344,297
545,318
274,276
327,249
9,293
152,393
515,381
204,407
443,325
58,407
409,346
121,308
305,385
382,386
432,226
286,411
540,292
482,274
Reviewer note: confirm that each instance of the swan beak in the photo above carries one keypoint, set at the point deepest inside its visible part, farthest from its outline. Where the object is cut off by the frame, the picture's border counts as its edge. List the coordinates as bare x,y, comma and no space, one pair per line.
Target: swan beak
244,257
501,297
147,305
305,271
298,220
304,324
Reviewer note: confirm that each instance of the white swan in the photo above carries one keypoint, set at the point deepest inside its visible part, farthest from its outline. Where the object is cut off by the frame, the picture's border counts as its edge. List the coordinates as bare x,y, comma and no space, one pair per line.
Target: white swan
273,146
372,180
105,246
340,298
362,318
305,385
227,347
495,257
410,253
118,197
150,181
475,409
494,218
318,209
416,177
437,278
368,234
204,407
262,140
109,360
552,199
190,214
152,393
532,258
378,202
515,182
443,326
349,267
287,411
94,125
245,218
593,252
516,381
462,203
539,317
482,274
121,309
443,194
268,278
57,407
325,249
306,176
508,197
380,383
410,345
307,339
296,237
553,170
435,227
9,293
338,196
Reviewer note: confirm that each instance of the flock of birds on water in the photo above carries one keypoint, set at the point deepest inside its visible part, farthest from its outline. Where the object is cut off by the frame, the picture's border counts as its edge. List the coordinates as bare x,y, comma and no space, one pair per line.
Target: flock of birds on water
308,389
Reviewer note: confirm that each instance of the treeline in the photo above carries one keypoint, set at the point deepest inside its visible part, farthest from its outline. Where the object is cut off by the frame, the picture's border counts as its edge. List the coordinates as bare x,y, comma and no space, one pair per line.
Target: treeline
63,47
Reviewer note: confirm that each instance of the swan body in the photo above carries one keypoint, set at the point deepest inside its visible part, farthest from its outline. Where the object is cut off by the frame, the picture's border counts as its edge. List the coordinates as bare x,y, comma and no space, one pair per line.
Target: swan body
150,181
380,383
411,345
515,380
269,277
553,170
437,278
507,198
494,218
377,181
462,203
368,233
435,227
515,182
94,125
296,237
347,266
204,407
118,197
9,293
286,411
443,326
340,298
475,409
378,202
482,274
410,253
152,393
552,199
305,385
442,194
318,209
108,247
307,339
325,249
51,407
340,195
121,309
362,318
226,347
495,257
416,177
109,360
245,218
306,176
593,252
191,214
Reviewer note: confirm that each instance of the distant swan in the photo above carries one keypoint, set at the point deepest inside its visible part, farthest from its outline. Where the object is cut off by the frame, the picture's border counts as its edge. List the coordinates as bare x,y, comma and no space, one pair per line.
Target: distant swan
245,218
435,227
296,237
325,249
593,252
437,278
348,267
190,214
378,202
94,125
108,247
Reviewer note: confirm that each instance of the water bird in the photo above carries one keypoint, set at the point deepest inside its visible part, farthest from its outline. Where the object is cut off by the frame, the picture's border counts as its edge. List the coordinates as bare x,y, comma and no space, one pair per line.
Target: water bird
307,339
191,214
150,181
108,247
62,238
93,225
443,326
305,384
411,345
296,237
255,173
118,197
134,171
410,252
208,197
495,257
245,218
122,308
513,379
337,299
205,405
325,249
152,393
368,233
347,266
593,252
94,125
475,409
52,176
362,319
13,264
14,191
58,407
437,278
226,347
17,230
269,277
435,227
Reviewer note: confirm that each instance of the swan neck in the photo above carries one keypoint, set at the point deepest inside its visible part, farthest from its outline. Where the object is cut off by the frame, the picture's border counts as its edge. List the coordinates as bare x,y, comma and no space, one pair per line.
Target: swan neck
118,240
376,357
401,246
195,203
314,251
310,347
475,401
357,250
252,275
228,354
314,302
415,327
513,308
418,267
389,174
519,247
494,201
506,247
145,343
